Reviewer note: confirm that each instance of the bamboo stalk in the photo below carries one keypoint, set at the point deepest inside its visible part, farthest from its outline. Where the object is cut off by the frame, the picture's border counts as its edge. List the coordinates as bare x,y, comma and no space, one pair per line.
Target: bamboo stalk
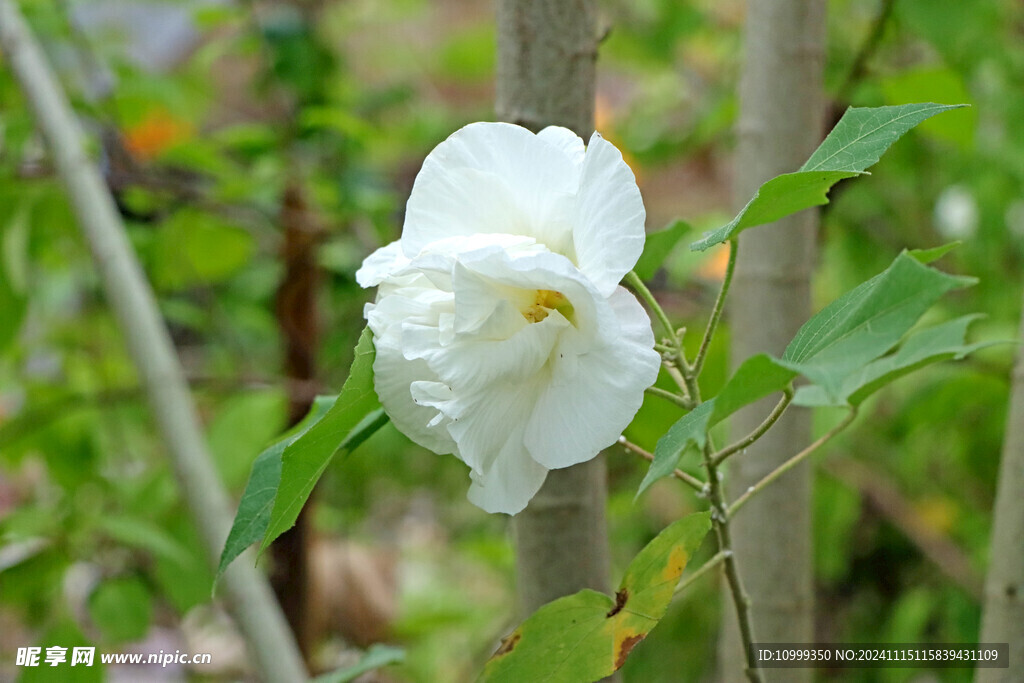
151,349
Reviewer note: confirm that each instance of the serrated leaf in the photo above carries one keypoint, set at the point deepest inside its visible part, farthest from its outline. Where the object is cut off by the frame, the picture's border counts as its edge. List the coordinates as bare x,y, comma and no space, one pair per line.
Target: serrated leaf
253,516
779,197
757,377
856,143
306,458
865,323
377,656
863,135
657,247
587,636
924,347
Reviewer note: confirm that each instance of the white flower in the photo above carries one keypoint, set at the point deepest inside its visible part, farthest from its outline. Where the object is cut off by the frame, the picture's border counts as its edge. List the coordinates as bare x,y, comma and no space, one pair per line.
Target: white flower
501,330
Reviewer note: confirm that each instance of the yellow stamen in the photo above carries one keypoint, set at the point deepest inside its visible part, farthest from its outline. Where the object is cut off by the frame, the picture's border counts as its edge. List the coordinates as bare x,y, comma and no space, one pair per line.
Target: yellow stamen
544,302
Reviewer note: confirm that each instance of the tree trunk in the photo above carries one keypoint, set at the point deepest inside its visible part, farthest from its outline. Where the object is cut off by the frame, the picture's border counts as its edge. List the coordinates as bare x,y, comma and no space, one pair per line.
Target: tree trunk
1003,612
780,124
297,318
546,55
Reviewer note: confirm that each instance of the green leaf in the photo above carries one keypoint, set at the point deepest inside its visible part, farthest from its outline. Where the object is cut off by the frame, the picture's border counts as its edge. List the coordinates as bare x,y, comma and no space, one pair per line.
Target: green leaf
377,656
194,247
935,253
14,264
657,247
856,143
866,322
923,347
689,431
145,535
864,134
587,636
779,197
757,377
306,458
253,514
122,608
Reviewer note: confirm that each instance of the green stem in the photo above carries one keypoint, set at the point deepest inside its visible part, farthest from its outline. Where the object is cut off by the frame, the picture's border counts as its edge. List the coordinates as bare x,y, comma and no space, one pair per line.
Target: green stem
716,312
790,464
746,441
741,601
704,569
680,401
688,479
637,285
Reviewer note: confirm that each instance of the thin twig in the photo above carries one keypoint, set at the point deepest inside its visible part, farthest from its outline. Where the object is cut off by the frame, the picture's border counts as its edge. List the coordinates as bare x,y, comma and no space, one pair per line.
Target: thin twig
716,312
772,418
680,401
867,49
790,464
690,480
637,285
704,569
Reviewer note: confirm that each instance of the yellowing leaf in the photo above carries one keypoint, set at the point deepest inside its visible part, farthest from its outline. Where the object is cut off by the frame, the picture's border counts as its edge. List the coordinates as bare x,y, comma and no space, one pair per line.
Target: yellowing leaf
588,636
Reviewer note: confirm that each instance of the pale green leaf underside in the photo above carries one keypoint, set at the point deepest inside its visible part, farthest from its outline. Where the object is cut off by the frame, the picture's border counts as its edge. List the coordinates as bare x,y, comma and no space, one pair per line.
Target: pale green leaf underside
844,350
923,347
588,635
856,143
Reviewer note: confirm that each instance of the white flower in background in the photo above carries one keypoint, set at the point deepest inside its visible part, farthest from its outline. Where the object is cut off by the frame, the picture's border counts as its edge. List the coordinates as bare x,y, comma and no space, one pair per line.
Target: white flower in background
956,213
501,330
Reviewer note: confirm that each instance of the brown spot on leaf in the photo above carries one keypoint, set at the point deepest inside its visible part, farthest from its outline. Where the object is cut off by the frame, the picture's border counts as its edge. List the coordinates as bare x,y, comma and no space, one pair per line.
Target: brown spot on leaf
620,602
625,647
507,644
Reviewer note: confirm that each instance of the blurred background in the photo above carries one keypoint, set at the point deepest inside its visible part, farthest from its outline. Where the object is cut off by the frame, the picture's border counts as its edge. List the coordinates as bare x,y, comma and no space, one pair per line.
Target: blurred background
259,151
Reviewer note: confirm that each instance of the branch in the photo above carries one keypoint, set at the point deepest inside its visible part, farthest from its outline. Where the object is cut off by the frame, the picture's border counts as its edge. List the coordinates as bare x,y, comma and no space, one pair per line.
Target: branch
746,441
704,569
680,401
893,505
740,599
716,312
677,356
134,305
866,51
688,479
791,463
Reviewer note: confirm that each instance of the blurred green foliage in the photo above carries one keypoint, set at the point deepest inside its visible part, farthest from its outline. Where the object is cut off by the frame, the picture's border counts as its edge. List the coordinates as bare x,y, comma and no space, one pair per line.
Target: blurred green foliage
95,546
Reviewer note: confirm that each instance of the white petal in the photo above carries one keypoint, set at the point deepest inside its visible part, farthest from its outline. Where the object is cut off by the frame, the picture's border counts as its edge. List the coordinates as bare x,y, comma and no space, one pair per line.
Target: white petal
393,375
588,403
572,145
493,178
491,421
510,483
380,264
609,225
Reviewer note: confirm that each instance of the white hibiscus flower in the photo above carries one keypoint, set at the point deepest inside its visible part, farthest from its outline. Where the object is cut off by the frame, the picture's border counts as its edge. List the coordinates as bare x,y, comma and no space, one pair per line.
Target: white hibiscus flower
501,330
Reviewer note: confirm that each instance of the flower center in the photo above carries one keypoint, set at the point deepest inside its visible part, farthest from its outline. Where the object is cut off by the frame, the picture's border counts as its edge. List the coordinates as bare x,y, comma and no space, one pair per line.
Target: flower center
544,302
